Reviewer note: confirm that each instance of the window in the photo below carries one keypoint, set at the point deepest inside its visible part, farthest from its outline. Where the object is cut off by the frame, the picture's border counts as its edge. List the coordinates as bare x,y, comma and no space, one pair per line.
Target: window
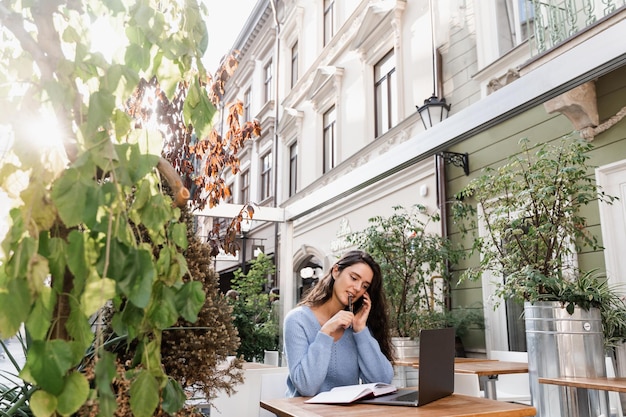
329,20
502,25
246,105
330,145
268,81
384,88
294,64
515,19
266,175
245,187
293,168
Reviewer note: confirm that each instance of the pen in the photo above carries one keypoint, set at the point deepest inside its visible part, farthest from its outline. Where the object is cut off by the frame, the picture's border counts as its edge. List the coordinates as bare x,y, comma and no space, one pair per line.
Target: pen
350,303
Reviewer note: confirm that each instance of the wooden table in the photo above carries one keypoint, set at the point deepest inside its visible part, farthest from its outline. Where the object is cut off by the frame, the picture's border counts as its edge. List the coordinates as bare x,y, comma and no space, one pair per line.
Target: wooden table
575,390
452,406
599,383
489,370
414,361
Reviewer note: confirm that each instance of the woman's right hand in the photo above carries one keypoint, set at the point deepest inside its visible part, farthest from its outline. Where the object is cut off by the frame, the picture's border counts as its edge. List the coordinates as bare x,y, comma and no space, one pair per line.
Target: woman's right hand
335,326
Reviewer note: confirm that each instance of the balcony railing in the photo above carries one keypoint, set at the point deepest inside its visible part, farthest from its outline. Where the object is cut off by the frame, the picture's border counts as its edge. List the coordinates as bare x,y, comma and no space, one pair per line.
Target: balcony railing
551,22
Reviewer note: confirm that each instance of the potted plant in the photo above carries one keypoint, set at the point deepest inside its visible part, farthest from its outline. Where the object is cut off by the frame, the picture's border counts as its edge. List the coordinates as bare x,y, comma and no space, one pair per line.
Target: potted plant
414,261
532,213
253,310
78,203
462,319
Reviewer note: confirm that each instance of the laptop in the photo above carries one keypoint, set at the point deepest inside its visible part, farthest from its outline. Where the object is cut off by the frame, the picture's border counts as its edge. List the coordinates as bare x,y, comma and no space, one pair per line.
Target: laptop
436,372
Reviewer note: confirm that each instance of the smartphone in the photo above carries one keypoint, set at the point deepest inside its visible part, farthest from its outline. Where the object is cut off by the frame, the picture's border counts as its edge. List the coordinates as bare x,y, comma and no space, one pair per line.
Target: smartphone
356,305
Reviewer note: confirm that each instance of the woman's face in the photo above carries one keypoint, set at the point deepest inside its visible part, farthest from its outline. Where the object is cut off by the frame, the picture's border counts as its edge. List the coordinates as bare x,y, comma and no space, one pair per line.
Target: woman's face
352,280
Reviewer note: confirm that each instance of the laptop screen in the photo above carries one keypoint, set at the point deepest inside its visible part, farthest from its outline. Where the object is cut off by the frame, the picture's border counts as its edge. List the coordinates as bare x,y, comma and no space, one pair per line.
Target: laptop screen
436,371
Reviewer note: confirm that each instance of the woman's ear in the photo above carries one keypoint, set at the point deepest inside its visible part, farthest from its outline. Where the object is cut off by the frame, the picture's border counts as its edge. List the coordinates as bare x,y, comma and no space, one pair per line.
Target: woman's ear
335,271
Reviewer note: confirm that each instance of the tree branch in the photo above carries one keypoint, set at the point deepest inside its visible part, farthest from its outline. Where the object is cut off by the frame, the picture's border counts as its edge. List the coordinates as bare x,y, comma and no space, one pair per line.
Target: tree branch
181,193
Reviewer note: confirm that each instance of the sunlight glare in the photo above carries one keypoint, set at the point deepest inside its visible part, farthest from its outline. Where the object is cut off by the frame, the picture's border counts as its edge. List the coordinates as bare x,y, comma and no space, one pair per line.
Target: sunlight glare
45,136
107,39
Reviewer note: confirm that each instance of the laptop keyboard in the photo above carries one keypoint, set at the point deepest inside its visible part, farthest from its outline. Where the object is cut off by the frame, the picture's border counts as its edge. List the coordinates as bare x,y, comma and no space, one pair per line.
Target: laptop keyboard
409,396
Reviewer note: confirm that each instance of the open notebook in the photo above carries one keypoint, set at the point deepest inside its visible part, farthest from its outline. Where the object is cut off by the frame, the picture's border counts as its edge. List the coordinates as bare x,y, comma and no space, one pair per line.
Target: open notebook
436,372
350,393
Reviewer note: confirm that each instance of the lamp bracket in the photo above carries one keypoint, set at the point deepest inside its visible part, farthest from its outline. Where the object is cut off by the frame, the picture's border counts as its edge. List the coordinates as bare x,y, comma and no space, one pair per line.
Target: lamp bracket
460,160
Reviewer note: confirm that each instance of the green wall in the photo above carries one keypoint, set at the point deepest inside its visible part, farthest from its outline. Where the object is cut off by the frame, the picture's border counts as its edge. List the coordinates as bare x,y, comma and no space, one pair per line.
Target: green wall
493,147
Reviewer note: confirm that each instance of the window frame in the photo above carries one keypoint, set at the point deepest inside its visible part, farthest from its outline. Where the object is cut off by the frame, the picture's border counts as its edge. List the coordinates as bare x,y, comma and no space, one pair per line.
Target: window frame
328,19
385,91
293,169
247,98
244,187
268,73
329,143
266,175
294,64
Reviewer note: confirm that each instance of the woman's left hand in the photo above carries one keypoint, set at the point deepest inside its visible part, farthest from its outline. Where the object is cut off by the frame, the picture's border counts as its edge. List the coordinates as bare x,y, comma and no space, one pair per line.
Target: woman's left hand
360,317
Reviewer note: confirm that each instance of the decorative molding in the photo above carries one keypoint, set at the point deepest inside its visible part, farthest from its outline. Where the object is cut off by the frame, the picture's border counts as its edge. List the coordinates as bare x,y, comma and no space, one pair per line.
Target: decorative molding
325,86
379,30
290,122
497,83
579,105
293,26
245,71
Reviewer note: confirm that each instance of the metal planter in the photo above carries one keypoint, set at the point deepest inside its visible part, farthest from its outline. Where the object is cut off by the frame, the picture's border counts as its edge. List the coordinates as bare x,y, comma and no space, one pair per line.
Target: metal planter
560,344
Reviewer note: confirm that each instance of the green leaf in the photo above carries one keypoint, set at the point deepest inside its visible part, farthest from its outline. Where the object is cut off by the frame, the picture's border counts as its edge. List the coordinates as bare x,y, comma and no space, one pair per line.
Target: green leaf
17,266
38,206
177,269
154,214
137,57
48,362
142,195
179,234
93,204
101,104
105,372
150,142
15,304
96,294
74,394
115,270
103,154
38,273
164,261
70,35
144,394
189,300
115,6
198,109
42,403
140,274
151,357
122,122
57,250
40,318
128,321
162,311
69,195
76,255
79,329
173,397
133,164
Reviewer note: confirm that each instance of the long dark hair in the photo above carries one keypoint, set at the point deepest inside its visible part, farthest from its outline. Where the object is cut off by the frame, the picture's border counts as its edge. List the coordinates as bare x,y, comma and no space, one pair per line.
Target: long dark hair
377,319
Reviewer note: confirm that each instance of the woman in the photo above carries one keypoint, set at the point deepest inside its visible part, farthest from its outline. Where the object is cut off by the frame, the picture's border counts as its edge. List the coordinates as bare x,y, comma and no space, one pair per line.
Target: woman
326,344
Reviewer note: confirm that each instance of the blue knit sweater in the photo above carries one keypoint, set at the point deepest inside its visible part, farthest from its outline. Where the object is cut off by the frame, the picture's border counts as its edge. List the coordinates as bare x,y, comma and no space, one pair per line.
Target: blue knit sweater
317,363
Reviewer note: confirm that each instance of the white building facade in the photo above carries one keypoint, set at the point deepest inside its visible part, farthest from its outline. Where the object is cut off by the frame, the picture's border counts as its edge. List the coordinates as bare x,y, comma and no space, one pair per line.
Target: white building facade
336,85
